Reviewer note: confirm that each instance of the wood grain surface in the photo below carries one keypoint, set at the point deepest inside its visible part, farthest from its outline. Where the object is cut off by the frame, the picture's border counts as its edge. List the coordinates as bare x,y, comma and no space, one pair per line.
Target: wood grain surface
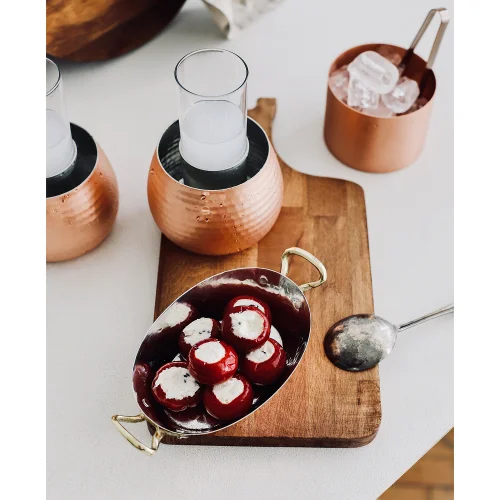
320,405
94,30
431,478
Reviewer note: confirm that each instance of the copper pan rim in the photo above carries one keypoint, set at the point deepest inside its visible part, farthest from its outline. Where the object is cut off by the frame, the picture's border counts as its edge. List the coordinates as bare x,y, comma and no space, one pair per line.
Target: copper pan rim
225,425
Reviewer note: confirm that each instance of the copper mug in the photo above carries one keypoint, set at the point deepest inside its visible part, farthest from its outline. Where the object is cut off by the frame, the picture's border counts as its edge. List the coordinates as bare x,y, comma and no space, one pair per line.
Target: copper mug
383,144
215,221
376,144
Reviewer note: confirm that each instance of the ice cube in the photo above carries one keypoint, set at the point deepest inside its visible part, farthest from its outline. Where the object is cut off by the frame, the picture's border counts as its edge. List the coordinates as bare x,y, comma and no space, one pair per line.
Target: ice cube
403,95
375,71
338,82
359,95
390,54
381,111
419,103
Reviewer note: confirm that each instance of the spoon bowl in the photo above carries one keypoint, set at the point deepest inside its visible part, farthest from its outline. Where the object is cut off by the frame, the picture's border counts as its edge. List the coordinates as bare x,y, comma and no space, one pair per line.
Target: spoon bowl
359,342
362,341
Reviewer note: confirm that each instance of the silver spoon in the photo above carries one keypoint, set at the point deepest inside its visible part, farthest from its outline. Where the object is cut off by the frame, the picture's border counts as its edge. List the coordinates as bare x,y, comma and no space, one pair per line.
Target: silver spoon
362,341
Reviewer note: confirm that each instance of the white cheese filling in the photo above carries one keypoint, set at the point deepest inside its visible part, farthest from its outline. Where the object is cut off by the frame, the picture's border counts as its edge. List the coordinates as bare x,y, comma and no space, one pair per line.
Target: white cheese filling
175,314
275,335
198,330
249,302
247,324
228,391
261,354
177,383
210,352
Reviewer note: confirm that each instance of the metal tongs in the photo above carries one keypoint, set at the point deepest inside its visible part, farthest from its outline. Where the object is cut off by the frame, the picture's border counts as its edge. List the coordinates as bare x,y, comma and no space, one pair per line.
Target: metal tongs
445,18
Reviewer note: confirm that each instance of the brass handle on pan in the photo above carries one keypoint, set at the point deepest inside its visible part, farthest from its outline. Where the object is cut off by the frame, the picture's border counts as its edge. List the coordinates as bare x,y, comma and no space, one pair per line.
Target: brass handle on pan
311,259
155,439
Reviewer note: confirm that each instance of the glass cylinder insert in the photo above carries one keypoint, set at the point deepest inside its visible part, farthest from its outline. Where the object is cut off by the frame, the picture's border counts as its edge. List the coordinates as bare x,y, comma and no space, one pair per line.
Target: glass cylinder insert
212,109
61,150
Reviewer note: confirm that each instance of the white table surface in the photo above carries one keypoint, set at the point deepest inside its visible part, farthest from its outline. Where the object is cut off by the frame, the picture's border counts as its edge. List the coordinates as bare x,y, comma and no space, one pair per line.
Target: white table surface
100,306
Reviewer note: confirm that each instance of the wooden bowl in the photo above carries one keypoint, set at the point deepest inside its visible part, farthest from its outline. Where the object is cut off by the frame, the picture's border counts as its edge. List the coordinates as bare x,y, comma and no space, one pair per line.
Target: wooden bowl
95,30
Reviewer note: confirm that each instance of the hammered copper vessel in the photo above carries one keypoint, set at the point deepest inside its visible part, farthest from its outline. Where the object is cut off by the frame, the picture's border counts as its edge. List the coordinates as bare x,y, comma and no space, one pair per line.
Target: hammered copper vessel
375,144
215,222
78,220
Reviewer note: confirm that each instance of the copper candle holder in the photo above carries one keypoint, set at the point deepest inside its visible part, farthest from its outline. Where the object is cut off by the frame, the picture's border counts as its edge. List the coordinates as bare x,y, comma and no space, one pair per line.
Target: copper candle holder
80,218
215,221
81,190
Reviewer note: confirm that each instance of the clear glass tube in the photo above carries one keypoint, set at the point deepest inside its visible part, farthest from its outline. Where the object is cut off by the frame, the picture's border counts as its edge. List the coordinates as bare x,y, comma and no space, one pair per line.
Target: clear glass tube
60,147
212,109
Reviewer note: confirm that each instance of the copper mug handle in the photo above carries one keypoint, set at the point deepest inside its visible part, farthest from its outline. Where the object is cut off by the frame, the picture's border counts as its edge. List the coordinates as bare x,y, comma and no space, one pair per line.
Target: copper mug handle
285,264
155,439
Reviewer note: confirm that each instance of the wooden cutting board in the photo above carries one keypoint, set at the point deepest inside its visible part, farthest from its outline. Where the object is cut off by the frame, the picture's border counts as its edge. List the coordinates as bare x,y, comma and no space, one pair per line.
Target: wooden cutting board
94,30
320,405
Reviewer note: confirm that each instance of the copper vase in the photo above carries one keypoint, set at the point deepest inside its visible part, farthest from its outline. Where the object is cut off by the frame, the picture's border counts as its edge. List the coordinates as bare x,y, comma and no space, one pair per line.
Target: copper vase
215,222
80,219
375,144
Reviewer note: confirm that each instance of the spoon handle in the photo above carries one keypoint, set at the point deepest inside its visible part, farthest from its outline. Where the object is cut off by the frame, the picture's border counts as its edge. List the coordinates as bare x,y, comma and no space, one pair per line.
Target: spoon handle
440,312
